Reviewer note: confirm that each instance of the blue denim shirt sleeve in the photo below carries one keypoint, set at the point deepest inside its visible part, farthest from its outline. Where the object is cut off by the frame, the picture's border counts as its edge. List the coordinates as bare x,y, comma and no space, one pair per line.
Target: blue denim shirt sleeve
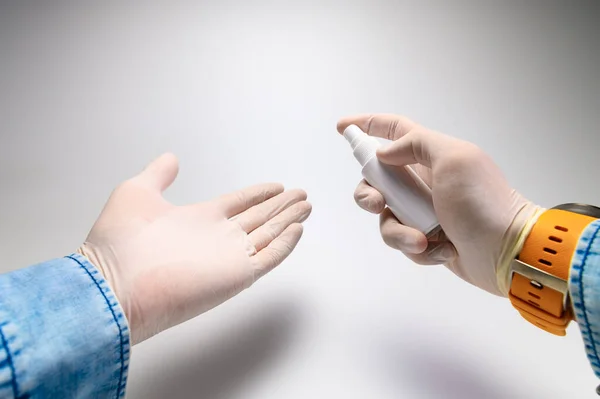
584,286
62,333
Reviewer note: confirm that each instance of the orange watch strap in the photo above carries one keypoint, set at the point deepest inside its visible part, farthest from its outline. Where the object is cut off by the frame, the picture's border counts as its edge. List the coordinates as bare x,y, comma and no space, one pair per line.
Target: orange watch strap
549,248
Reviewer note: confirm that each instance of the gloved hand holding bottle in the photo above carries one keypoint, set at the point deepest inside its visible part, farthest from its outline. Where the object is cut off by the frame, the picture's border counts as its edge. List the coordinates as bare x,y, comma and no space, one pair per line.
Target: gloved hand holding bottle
481,215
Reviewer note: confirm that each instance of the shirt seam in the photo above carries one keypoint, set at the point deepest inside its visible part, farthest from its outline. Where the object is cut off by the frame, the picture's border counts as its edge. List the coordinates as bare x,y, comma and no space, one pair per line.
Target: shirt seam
112,311
9,361
582,300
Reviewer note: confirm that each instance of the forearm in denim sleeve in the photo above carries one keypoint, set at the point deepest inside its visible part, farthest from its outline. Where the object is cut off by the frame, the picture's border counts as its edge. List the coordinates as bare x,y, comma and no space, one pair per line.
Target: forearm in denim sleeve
62,333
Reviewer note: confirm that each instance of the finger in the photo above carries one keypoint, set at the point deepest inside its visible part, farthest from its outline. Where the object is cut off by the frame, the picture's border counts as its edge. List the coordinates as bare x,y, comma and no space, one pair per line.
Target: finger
160,173
265,234
386,126
414,244
368,198
399,236
437,253
239,201
279,249
420,146
263,212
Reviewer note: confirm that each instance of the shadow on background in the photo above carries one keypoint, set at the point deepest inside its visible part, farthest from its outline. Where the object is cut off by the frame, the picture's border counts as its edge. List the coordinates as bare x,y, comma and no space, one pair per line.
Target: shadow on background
227,363
434,369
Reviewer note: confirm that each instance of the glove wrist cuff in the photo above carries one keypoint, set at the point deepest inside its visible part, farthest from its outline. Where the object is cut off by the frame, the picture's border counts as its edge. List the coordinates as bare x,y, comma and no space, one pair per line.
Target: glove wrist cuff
515,238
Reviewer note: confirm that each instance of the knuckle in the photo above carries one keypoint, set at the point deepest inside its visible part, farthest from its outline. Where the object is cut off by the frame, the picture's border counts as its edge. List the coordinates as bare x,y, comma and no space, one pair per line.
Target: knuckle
274,257
241,198
472,151
370,121
392,132
300,194
273,231
268,192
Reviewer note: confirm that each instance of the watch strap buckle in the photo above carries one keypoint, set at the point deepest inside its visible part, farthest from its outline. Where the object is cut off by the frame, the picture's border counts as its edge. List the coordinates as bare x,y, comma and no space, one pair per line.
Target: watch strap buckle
541,298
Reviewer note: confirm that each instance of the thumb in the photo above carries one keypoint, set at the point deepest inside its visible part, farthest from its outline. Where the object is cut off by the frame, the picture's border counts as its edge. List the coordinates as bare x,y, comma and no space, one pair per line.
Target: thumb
419,146
160,173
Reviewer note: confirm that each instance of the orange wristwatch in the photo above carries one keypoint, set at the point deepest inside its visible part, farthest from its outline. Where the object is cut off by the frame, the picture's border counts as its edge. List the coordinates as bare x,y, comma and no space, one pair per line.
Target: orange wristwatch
539,275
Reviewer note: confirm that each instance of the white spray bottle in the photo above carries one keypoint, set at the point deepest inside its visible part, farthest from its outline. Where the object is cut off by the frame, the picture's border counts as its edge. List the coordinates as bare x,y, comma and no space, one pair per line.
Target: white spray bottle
407,196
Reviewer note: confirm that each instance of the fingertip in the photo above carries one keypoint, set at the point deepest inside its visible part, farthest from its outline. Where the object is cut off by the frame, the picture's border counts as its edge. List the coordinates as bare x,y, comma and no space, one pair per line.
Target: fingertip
383,150
305,209
410,242
300,194
386,153
399,153
161,172
309,208
358,120
420,243
401,237
277,187
167,159
170,157
341,126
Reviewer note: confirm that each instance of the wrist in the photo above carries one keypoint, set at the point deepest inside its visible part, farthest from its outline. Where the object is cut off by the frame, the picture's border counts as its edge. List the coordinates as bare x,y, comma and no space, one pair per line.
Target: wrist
98,261
91,256
513,242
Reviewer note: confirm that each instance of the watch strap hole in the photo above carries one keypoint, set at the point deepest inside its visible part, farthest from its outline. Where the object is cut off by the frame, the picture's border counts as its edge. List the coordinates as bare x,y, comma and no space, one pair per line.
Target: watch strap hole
535,296
537,305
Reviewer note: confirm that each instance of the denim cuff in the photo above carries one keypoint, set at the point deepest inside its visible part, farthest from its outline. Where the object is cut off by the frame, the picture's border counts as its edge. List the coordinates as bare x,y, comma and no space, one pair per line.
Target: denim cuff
62,333
584,286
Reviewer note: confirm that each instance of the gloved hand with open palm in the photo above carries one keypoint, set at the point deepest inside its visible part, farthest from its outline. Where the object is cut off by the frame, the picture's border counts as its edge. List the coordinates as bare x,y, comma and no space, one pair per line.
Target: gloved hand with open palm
169,263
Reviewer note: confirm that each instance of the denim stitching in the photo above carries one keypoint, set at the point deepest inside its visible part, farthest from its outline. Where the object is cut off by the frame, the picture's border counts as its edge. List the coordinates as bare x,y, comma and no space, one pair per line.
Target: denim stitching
587,322
9,360
121,338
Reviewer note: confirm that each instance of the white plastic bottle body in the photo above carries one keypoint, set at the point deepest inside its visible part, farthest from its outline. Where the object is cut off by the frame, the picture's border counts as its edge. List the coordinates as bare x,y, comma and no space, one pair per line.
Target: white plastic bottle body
407,196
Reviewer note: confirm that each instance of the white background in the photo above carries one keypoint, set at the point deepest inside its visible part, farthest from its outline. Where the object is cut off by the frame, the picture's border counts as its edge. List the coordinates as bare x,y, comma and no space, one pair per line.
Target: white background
245,92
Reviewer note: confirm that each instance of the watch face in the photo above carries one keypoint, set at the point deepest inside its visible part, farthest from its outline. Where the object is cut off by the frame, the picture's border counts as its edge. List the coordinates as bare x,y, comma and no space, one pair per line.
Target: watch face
582,209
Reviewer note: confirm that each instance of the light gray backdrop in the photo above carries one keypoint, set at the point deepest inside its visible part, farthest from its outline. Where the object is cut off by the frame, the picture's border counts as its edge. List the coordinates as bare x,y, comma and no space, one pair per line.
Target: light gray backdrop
245,92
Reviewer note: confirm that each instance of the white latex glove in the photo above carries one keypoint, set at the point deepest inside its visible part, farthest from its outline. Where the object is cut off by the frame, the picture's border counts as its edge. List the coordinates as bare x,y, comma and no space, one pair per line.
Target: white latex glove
483,217
170,263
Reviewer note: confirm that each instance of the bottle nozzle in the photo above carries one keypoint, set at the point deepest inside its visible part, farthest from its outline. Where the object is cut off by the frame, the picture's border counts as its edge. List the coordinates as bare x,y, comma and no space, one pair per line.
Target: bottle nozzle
352,133
363,145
